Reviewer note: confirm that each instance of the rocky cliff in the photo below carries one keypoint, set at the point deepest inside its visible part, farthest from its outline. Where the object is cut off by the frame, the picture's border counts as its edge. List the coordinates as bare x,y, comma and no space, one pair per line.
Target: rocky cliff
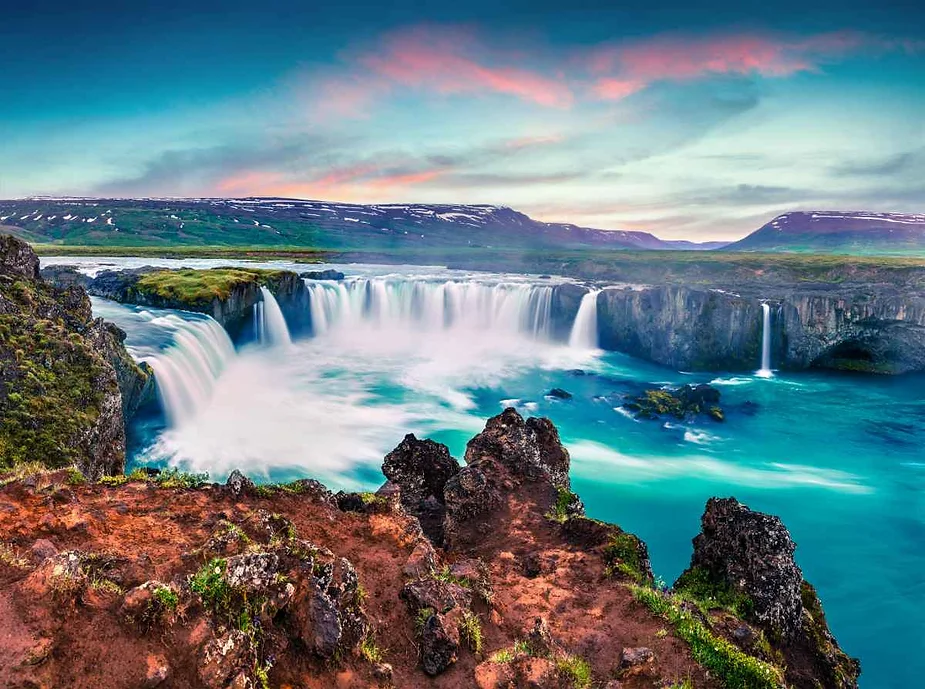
62,373
872,328
245,586
226,294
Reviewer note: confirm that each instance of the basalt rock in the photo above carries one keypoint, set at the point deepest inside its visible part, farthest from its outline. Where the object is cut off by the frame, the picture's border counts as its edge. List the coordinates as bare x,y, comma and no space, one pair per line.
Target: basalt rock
685,402
751,554
421,468
528,449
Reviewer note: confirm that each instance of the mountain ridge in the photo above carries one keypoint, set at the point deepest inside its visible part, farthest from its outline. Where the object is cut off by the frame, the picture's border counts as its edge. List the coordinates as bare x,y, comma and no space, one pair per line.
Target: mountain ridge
279,221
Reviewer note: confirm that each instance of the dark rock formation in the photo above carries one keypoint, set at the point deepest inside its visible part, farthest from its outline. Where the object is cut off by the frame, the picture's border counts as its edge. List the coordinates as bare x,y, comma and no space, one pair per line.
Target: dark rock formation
530,449
67,382
559,394
327,274
681,403
421,468
751,555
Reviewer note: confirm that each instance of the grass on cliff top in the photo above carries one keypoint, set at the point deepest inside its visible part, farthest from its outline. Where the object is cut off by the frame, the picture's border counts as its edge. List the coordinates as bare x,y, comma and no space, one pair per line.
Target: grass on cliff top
734,668
202,286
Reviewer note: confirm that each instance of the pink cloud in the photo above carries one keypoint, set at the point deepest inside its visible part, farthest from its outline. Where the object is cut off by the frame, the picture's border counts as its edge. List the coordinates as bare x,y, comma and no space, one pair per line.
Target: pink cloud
622,70
452,61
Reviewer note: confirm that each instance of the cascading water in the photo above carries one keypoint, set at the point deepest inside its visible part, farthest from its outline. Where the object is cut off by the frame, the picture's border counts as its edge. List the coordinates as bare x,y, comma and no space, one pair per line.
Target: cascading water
584,330
428,306
270,324
765,370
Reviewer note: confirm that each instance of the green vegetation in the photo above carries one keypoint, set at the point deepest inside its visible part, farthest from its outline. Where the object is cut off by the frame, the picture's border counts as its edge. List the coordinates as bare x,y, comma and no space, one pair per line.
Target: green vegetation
470,628
210,585
507,655
191,286
75,477
574,669
55,380
559,511
174,478
11,557
698,586
735,669
622,556
369,651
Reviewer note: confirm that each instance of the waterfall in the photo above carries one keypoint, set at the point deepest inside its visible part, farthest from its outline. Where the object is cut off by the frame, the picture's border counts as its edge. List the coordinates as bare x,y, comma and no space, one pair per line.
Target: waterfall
270,323
584,330
188,366
765,370
430,306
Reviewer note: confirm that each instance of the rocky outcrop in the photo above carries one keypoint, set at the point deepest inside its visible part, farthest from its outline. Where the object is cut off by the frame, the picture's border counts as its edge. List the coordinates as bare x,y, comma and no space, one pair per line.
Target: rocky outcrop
249,586
420,469
67,382
327,274
226,294
750,555
687,401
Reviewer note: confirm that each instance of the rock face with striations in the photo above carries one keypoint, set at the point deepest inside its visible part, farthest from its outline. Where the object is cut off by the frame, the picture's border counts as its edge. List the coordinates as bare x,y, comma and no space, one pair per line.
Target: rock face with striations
751,554
63,373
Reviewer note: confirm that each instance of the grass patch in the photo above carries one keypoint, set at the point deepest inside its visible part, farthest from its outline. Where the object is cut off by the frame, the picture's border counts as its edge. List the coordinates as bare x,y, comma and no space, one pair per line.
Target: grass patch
210,585
369,651
560,509
621,556
700,587
575,670
117,480
174,478
735,669
508,655
470,628
200,287
75,477
11,557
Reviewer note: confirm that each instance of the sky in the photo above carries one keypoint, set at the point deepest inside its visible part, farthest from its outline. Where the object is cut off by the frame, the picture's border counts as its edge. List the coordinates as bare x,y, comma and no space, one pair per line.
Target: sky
690,120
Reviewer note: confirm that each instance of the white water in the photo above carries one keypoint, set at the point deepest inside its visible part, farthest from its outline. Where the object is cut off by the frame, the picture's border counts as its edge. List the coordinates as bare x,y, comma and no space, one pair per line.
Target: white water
584,330
271,324
392,305
765,370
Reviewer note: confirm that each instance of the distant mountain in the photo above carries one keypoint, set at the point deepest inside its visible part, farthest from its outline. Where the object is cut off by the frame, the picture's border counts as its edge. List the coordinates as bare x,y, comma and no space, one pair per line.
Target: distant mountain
291,222
839,232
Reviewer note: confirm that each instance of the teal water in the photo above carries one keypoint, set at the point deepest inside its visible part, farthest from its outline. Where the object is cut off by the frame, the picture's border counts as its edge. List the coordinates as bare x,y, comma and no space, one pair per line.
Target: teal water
839,458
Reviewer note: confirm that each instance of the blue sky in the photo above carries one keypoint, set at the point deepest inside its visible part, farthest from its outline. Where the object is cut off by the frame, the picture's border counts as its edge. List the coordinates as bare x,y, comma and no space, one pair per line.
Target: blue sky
689,120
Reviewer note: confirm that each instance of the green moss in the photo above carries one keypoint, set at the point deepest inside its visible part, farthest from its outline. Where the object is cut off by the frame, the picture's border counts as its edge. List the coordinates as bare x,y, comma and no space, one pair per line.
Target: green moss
622,555
699,586
559,511
575,670
51,374
734,668
75,477
199,287
119,480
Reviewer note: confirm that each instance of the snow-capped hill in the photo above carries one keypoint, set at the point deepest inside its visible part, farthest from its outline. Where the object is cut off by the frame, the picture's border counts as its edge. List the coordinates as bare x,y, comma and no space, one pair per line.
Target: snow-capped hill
839,232
263,221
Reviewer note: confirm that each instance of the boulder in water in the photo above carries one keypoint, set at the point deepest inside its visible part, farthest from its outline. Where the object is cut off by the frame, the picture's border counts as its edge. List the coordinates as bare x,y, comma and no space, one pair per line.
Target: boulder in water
559,394
684,402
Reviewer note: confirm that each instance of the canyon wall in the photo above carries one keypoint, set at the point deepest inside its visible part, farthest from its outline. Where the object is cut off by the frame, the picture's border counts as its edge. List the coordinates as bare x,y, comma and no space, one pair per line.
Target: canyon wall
879,330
